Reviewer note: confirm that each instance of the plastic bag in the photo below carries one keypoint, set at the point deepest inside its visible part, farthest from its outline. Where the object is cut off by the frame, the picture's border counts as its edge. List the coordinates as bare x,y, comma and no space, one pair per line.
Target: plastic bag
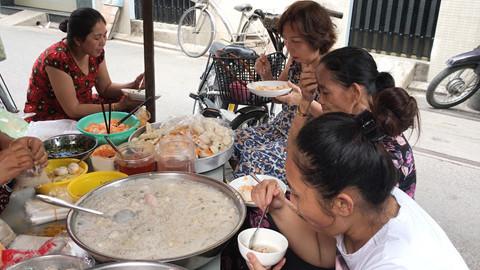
11,124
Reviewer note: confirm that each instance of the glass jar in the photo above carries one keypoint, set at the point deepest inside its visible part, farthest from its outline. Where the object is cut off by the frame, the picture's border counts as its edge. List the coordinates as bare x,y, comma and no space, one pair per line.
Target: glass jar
136,158
175,153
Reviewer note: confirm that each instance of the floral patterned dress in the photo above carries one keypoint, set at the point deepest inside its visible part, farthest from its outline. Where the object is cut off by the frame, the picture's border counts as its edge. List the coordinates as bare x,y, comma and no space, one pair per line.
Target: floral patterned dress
263,148
40,96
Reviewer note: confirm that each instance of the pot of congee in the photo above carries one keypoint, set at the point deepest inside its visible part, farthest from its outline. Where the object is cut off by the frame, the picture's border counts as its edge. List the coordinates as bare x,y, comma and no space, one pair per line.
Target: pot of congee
181,218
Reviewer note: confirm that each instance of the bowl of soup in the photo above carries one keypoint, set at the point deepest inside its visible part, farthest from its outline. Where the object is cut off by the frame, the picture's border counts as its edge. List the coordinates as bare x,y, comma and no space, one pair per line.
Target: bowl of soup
268,246
94,125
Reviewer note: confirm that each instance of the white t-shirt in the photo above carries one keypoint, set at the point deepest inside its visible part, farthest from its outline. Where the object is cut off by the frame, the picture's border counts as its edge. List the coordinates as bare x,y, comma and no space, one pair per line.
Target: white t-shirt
411,240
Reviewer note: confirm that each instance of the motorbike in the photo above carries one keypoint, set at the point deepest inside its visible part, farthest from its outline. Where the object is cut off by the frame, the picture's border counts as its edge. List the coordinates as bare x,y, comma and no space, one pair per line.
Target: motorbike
457,82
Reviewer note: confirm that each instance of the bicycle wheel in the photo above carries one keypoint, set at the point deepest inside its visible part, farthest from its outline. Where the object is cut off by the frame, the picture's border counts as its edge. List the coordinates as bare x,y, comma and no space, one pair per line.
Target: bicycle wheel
196,30
255,35
452,86
250,119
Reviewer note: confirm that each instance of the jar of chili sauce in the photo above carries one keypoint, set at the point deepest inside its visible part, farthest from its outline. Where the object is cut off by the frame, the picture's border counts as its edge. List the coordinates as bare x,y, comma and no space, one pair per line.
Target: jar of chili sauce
135,158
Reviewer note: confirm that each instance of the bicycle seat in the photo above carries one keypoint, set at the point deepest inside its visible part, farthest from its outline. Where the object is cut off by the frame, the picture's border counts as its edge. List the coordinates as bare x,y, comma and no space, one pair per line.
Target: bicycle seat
243,7
237,51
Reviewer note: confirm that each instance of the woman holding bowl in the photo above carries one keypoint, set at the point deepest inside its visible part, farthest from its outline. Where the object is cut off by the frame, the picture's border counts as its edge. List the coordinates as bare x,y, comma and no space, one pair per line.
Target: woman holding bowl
63,76
345,210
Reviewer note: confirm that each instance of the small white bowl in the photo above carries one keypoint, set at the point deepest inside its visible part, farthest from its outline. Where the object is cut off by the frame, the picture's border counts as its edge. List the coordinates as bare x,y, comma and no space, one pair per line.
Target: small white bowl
265,238
102,163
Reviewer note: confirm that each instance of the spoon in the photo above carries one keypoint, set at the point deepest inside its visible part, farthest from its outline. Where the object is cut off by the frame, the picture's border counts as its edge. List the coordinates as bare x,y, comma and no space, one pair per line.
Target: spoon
62,203
250,242
121,216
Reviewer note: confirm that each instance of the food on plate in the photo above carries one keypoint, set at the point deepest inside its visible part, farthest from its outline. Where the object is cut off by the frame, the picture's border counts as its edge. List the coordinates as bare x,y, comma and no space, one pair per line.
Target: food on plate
179,215
209,136
99,128
271,88
246,192
64,172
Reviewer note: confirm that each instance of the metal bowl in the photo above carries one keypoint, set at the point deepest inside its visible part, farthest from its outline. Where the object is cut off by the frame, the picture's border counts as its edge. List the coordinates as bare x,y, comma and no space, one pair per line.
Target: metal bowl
69,146
138,265
193,260
201,164
57,261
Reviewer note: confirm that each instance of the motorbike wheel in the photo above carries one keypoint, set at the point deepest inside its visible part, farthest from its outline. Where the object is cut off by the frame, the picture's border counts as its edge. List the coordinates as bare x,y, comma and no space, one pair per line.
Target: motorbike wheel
452,86
249,120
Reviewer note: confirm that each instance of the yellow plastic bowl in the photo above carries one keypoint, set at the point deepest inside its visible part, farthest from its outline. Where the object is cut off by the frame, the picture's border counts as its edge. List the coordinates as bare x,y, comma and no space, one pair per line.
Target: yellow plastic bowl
84,183
52,165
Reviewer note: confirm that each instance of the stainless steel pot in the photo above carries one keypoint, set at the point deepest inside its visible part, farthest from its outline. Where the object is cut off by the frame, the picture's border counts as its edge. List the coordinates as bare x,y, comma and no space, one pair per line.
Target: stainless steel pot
137,265
190,261
201,164
56,261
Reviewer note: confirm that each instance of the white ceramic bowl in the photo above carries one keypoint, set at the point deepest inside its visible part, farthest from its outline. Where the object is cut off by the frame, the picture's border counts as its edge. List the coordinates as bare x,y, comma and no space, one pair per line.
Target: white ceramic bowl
265,238
269,88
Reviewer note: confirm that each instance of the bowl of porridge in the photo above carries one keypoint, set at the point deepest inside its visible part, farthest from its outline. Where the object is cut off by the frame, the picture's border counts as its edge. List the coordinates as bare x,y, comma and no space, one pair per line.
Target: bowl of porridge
269,246
181,218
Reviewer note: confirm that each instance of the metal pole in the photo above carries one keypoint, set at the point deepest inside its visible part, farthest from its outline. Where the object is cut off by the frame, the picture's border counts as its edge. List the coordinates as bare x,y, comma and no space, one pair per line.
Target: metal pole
148,55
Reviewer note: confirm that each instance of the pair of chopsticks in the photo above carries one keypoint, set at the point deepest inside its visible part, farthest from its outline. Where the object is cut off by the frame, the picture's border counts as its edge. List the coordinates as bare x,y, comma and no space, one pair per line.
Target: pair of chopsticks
107,123
133,111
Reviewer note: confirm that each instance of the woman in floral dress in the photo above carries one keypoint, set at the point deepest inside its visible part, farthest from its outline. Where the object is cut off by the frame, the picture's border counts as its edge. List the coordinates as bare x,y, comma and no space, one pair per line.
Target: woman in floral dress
308,33
63,76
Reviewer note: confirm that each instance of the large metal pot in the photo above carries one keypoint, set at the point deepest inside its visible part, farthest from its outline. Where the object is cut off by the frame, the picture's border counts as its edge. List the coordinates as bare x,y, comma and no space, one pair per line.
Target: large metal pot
137,265
190,261
201,164
53,261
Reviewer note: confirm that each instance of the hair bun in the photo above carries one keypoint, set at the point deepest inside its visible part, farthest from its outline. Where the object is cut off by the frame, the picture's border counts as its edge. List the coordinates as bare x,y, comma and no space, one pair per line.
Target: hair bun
63,26
383,81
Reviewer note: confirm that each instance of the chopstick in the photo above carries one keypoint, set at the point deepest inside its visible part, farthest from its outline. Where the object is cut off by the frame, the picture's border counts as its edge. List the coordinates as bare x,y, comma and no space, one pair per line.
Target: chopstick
254,176
104,116
109,117
133,111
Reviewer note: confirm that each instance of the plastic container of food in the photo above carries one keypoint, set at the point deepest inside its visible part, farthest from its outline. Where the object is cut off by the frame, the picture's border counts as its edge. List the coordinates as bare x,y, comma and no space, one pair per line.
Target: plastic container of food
87,182
97,118
55,164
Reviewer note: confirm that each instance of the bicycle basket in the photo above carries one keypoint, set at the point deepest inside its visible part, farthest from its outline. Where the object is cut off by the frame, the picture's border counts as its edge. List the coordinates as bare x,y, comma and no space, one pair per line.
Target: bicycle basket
233,74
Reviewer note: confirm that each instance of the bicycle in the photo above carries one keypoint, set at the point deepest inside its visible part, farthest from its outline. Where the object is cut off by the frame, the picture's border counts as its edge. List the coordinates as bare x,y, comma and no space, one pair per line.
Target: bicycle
196,28
222,90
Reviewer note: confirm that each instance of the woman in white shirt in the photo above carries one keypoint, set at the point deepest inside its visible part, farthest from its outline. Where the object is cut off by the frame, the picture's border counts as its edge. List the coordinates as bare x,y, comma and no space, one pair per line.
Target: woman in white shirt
344,201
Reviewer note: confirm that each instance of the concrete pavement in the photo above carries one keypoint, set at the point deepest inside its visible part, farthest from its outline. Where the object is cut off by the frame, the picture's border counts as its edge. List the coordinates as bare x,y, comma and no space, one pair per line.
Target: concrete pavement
447,152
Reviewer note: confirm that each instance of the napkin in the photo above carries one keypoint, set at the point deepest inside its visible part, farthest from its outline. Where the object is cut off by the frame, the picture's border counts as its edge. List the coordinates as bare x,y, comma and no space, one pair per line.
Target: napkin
39,212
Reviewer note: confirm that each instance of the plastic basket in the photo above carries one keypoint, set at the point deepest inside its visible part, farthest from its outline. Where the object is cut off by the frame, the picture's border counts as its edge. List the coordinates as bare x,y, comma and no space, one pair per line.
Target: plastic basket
233,74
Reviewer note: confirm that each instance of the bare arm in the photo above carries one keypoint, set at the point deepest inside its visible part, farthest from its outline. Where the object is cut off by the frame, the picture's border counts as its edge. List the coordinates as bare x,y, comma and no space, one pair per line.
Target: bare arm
64,90
5,141
109,89
313,247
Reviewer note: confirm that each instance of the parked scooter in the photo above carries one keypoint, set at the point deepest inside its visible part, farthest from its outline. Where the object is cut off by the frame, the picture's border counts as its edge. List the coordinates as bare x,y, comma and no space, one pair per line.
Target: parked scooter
457,82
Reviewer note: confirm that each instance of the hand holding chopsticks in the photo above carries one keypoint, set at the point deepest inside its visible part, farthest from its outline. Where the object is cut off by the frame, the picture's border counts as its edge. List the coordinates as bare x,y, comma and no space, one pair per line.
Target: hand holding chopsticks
133,111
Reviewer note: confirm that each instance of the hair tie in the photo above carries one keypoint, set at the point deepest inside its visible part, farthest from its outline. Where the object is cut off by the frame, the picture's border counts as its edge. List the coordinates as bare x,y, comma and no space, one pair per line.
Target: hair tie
369,126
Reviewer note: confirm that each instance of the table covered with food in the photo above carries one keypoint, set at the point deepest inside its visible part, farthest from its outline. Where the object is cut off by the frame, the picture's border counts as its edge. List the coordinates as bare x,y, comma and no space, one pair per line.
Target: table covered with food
149,192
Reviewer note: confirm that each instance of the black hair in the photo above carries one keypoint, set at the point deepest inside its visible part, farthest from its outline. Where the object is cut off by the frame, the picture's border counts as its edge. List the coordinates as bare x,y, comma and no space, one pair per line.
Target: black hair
333,153
394,109
80,24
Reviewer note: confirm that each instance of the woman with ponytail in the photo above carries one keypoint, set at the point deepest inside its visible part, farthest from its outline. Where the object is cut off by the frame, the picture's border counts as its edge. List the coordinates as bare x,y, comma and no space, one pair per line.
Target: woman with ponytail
348,81
345,210
63,76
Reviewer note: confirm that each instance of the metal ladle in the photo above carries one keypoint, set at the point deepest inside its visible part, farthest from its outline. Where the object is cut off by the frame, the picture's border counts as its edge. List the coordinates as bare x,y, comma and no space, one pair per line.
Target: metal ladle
121,216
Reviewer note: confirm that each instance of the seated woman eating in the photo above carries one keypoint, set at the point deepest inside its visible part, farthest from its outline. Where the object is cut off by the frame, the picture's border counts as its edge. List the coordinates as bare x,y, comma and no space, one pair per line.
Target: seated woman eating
344,200
63,76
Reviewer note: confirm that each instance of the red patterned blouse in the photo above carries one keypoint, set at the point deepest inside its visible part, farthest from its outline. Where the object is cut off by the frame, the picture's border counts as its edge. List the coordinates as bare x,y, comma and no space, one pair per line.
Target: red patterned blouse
41,98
